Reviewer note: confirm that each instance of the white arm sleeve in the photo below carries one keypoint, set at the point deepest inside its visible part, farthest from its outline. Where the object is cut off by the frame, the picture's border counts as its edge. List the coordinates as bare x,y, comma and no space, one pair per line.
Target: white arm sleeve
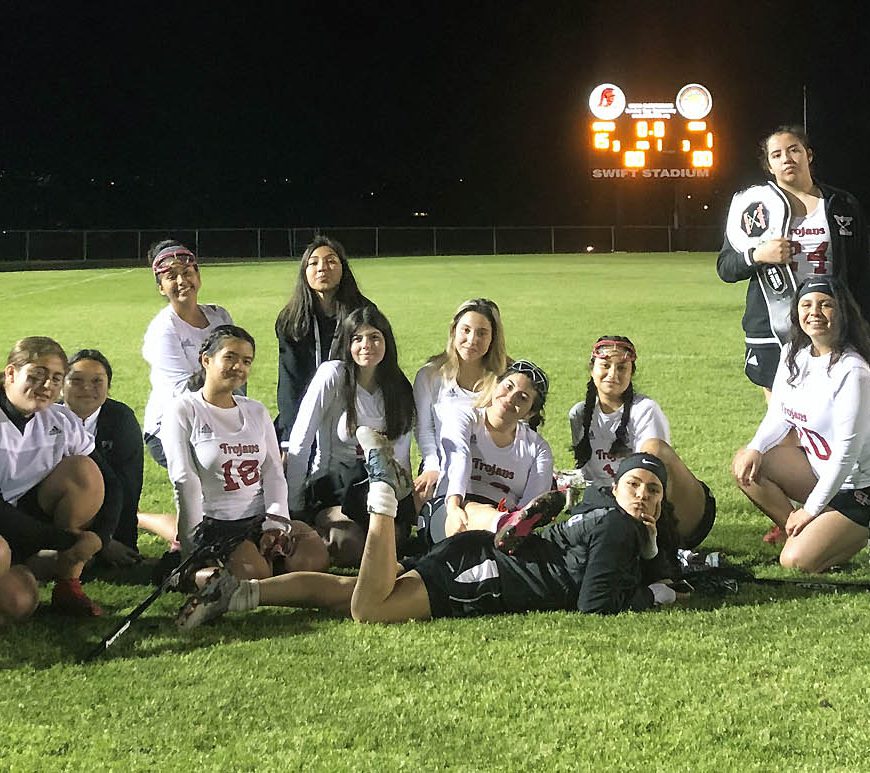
272,476
427,441
773,427
455,433
575,418
324,389
851,423
540,475
170,363
183,470
651,423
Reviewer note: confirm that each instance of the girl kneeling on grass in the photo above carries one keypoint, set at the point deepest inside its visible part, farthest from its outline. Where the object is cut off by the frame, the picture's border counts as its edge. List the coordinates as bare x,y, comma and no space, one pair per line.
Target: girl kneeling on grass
614,421
366,387
822,391
223,460
590,563
118,438
469,365
58,492
494,461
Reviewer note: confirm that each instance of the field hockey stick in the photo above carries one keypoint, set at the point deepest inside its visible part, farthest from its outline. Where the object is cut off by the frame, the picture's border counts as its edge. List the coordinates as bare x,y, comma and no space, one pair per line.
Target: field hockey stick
737,574
217,551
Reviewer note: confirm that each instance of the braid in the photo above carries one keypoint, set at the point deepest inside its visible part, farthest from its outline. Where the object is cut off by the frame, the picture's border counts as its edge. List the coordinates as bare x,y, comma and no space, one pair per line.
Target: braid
620,444
583,449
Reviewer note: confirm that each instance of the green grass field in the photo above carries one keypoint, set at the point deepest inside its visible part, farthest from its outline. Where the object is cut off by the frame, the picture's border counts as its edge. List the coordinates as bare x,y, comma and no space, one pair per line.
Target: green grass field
766,679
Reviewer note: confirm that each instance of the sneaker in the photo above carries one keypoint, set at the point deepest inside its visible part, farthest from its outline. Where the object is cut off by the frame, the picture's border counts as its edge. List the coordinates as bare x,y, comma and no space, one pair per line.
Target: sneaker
516,526
68,598
380,463
210,602
775,536
167,564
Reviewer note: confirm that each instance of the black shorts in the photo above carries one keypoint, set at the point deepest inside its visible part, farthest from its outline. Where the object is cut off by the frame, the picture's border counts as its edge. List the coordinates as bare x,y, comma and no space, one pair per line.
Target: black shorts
760,363
461,576
707,521
854,504
213,531
27,528
348,488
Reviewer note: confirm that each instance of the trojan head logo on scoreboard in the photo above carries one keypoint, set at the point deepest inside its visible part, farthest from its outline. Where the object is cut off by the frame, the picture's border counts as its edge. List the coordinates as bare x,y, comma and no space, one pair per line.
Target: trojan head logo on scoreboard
651,140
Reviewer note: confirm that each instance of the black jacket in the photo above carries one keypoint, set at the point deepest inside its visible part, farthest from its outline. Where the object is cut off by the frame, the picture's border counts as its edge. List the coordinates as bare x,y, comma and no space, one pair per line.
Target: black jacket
119,441
590,563
297,362
851,259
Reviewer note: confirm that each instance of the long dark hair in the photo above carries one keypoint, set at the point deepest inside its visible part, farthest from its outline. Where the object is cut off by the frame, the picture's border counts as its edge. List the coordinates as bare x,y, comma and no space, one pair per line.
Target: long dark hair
295,319
794,129
212,345
583,449
395,387
850,331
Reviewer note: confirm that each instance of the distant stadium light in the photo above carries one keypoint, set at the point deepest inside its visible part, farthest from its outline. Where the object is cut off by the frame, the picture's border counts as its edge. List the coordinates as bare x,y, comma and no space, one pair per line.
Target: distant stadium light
590,248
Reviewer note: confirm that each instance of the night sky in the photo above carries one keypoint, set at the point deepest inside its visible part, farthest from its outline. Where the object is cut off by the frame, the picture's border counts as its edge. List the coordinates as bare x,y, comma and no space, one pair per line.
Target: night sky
362,113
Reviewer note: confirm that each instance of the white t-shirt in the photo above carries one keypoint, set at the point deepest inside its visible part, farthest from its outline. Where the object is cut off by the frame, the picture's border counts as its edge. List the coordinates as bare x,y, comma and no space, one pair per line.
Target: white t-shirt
171,348
322,418
647,421
27,458
831,413
433,395
811,244
224,463
475,465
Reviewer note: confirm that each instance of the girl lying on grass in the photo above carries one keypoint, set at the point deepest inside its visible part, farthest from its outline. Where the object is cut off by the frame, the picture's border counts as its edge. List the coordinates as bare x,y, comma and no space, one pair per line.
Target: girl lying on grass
223,460
494,461
822,391
58,492
615,421
590,563
468,367
325,472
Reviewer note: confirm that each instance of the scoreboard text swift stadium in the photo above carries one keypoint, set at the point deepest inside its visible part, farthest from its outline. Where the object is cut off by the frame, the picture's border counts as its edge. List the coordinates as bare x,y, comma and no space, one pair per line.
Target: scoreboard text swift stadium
651,140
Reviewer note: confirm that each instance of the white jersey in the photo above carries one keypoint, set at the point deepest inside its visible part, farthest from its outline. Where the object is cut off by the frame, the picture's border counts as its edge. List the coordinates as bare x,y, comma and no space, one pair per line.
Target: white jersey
433,395
647,421
26,458
831,413
475,465
171,348
322,419
224,463
810,239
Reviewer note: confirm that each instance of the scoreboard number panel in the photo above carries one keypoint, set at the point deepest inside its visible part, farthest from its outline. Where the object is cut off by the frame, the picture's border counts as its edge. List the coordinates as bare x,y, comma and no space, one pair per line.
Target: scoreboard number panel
651,140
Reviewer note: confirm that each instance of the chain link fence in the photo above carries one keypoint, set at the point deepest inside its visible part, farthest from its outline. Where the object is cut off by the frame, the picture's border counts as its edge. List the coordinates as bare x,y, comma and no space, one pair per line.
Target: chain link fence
129,247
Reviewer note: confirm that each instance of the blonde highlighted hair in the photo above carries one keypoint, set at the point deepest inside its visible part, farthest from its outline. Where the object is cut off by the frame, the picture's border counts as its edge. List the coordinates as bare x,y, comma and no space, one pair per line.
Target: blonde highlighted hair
494,361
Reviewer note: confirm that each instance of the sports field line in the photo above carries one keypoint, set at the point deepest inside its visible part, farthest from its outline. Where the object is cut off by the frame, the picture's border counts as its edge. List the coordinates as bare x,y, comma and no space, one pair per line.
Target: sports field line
64,285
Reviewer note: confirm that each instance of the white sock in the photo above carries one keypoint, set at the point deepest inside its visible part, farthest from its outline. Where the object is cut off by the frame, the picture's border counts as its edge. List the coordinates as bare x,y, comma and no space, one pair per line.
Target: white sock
382,499
247,596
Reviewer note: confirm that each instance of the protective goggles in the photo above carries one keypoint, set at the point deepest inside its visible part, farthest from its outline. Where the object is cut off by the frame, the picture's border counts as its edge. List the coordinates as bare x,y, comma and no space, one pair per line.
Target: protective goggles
171,255
533,373
610,349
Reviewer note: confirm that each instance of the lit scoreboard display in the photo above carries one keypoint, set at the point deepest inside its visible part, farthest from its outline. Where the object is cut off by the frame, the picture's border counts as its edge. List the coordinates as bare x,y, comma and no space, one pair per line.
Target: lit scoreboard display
651,140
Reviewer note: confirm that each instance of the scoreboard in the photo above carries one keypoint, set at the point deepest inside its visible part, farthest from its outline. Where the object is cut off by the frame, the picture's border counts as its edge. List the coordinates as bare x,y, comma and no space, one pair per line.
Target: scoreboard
651,140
